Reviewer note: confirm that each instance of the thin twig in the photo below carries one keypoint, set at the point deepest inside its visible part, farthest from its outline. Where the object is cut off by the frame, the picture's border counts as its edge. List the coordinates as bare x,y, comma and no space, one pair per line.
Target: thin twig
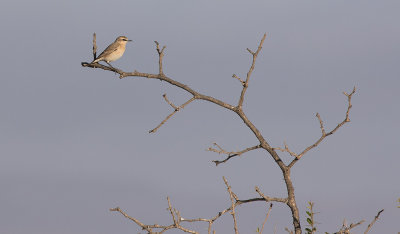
323,133
246,83
233,205
290,201
94,46
142,225
170,103
269,199
240,80
231,154
346,229
149,228
176,109
160,57
288,230
373,221
266,218
177,218
286,149
170,211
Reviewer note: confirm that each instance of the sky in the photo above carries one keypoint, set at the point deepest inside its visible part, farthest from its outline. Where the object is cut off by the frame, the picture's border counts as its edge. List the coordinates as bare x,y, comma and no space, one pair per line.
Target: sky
74,141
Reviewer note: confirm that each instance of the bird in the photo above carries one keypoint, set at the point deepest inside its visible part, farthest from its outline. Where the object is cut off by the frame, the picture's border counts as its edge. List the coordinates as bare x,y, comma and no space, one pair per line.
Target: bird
114,51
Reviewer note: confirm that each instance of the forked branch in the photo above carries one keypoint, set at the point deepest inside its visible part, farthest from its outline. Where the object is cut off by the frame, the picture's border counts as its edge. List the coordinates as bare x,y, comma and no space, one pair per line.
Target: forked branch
233,202
176,109
162,77
177,219
246,82
286,149
237,109
160,57
324,134
262,143
346,229
149,228
271,199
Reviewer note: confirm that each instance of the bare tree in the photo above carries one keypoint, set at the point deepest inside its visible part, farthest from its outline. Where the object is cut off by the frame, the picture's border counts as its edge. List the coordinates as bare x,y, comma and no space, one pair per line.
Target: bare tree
261,143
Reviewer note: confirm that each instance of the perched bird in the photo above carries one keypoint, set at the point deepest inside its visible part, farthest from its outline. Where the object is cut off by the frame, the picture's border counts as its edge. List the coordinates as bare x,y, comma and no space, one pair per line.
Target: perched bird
114,51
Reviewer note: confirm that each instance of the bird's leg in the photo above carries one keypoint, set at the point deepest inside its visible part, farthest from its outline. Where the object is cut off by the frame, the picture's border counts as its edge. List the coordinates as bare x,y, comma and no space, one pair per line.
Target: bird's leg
109,64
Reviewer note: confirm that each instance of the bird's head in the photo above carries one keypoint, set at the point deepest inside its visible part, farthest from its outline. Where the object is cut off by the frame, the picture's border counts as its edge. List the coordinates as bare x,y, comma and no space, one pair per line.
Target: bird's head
122,39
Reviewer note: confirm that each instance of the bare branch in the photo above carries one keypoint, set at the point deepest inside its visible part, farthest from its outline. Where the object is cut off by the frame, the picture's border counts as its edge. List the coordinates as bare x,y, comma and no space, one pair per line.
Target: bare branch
290,200
321,124
209,221
98,65
246,83
288,230
236,77
200,96
233,205
269,199
346,229
177,218
373,221
142,225
176,109
237,203
160,57
170,103
196,94
266,218
323,133
286,149
250,51
149,228
353,225
237,109
231,154
94,46
170,210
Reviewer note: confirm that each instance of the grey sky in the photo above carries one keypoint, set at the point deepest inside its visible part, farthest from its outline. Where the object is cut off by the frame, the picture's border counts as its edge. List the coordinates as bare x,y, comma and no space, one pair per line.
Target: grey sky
74,140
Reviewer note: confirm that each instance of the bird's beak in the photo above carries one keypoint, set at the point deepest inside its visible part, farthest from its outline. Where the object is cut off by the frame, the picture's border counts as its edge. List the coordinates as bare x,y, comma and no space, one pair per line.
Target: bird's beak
129,40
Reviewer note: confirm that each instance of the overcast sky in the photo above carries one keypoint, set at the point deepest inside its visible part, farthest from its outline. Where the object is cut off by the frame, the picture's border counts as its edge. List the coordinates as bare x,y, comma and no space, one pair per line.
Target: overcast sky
74,141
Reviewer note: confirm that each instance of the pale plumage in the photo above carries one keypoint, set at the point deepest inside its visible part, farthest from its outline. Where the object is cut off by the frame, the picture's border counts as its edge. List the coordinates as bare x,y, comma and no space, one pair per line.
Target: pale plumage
114,51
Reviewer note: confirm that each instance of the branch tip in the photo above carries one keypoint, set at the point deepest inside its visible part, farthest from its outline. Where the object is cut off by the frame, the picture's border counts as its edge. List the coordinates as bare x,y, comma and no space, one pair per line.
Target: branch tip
269,199
176,109
324,134
94,46
231,154
250,51
246,82
373,221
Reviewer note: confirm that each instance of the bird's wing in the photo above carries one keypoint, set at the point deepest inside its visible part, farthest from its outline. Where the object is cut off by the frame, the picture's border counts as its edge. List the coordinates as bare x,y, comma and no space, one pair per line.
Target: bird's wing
111,48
